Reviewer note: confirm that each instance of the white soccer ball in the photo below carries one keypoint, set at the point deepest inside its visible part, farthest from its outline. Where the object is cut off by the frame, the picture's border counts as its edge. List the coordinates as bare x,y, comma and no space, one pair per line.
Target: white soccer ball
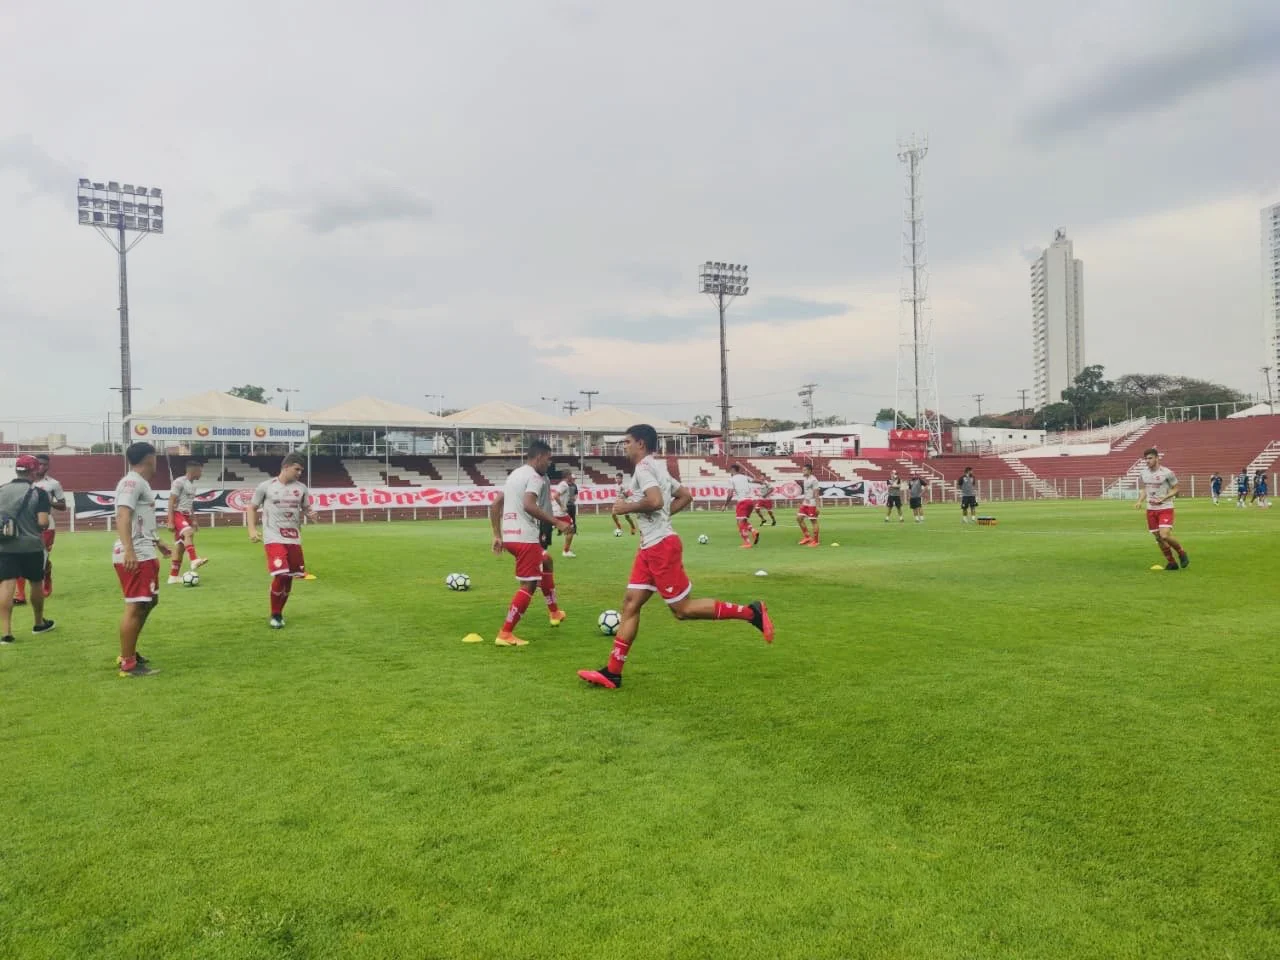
191,579
609,622
451,581
457,581
703,538
617,533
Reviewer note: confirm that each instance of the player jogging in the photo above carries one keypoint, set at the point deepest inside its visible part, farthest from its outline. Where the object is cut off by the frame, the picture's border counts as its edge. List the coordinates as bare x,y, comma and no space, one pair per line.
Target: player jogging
659,564
182,521
1159,490
765,503
515,518
915,497
134,555
739,490
807,512
968,496
1242,487
624,493
1215,487
284,500
895,497
57,504
564,505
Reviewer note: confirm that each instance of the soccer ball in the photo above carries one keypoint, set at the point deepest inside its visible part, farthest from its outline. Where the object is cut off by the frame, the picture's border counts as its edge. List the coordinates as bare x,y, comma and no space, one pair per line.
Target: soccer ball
703,538
458,581
609,622
617,533
191,579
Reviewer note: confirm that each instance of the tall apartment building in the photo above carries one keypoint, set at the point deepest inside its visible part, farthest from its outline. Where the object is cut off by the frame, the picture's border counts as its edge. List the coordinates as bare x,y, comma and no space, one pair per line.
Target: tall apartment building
1271,287
1057,319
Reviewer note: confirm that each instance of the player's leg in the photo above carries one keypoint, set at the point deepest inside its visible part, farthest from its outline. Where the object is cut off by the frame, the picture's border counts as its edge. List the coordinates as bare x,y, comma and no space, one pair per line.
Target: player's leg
773,521
7,590
175,562
610,675
189,541
48,536
632,522
617,524
804,528
1166,534
816,537
515,611
139,600
548,585
666,565
570,534
278,596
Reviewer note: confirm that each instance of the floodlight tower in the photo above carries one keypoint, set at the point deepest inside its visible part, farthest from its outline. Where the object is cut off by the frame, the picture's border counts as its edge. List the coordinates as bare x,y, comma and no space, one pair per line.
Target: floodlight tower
917,368
115,211
723,283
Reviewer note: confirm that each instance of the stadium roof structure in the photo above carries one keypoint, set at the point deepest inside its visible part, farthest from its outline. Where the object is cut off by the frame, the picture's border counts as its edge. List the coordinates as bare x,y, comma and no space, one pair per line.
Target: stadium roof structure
372,412
499,415
215,405
617,420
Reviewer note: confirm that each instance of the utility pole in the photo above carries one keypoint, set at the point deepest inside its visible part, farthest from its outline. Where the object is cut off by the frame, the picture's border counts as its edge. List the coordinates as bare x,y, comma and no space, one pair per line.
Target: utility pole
570,406
1266,374
588,394
806,399
979,397
1022,408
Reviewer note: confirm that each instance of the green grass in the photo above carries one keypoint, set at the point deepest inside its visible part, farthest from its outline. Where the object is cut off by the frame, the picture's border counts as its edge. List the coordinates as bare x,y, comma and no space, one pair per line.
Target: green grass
967,742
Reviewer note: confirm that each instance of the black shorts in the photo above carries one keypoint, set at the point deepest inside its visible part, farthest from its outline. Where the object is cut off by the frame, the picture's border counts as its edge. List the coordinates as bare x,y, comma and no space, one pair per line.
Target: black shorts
967,503
572,512
915,503
895,501
544,535
22,566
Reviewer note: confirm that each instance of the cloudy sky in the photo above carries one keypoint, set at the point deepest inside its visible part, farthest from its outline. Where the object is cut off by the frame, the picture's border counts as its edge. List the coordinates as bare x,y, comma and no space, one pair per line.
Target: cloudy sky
510,199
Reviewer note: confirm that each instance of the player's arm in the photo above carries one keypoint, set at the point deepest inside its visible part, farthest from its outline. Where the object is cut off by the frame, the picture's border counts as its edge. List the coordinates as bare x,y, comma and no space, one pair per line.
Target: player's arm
308,507
495,521
58,500
531,507
681,499
42,509
124,530
173,511
649,501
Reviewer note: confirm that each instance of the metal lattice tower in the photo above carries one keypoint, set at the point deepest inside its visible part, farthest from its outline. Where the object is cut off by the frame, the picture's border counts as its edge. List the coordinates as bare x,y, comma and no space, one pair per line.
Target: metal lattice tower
916,392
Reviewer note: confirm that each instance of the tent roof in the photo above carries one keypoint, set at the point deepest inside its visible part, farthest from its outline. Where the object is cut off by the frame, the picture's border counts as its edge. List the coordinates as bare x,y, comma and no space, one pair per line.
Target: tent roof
615,419
498,415
215,405
1257,410
372,412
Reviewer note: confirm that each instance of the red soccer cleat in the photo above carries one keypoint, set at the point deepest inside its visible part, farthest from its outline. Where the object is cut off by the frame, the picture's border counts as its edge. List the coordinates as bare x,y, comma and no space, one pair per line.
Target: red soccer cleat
601,678
804,542
761,619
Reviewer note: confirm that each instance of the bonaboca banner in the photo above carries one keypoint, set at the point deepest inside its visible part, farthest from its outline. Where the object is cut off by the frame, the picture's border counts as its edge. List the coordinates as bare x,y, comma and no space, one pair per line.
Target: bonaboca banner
212,431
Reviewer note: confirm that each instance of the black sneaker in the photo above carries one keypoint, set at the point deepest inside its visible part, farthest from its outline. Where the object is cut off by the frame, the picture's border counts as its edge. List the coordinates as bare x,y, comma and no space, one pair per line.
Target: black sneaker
19,601
139,670
43,627
756,538
7,639
1184,561
773,523
276,623
1172,565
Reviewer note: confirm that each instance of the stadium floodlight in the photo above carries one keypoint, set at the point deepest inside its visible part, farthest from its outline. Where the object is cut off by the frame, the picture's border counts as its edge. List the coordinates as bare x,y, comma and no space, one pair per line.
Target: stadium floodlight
116,211
723,283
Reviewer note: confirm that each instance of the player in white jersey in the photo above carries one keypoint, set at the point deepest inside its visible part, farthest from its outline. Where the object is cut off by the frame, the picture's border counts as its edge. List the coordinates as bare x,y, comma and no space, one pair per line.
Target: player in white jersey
517,517
134,555
182,520
58,504
740,490
284,501
624,494
564,506
765,502
1159,488
807,512
659,564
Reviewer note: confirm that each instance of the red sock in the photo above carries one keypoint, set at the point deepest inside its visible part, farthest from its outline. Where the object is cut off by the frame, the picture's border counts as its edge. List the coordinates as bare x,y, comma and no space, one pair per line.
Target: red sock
279,594
191,551
21,592
519,604
815,531
1175,546
618,658
733,611
175,566
129,664
549,590
1164,548
744,530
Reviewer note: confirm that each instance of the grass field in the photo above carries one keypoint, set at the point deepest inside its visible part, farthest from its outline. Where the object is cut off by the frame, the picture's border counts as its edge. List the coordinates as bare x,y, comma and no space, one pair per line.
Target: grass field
966,742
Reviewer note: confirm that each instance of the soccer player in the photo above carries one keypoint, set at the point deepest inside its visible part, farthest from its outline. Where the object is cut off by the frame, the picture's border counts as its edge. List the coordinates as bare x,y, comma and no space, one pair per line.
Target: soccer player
57,504
564,504
182,520
1260,489
134,555
968,496
1242,487
765,502
624,493
895,497
1159,490
659,564
515,517
915,496
284,501
25,508
807,512
740,490
1215,487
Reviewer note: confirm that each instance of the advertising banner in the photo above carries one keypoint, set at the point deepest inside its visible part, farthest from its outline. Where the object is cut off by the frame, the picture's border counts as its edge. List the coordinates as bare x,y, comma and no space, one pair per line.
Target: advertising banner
213,431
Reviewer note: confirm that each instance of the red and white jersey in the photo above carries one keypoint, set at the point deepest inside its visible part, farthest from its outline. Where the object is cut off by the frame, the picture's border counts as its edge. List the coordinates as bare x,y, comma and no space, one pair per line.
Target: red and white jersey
518,526
625,491
741,485
136,494
560,501
656,526
183,493
766,490
54,489
809,491
282,506
1157,483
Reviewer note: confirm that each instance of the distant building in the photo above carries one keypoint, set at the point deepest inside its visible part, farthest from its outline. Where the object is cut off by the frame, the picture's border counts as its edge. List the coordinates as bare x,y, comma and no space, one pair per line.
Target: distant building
1271,286
1057,319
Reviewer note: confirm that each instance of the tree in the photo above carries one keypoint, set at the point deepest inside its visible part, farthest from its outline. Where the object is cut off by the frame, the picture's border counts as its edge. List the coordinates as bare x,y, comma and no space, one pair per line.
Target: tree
1089,392
250,392
1056,416
702,421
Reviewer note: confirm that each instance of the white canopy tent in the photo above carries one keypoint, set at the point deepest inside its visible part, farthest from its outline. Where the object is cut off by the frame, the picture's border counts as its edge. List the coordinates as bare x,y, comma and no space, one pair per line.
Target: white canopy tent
373,414
498,415
616,420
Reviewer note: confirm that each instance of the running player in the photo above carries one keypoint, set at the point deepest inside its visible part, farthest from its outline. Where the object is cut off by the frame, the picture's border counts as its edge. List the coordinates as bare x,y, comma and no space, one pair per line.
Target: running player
284,501
1159,490
134,555
624,493
740,490
564,504
1242,487
182,520
515,517
915,496
765,502
1215,487
968,496
57,504
808,509
895,497
659,564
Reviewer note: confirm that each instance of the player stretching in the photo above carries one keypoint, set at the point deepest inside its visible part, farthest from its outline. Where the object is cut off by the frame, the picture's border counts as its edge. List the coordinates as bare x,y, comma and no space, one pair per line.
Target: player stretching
134,555
182,521
1215,487
624,493
515,518
895,497
284,501
1159,490
659,564
915,497
968,496
765,503
808,509
1242,488
740,490
57,503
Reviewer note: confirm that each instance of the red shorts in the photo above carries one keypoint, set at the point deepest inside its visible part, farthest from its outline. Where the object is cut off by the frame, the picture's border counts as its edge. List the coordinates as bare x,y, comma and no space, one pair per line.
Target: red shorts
660,568
141,585
1160,518
808,510
764,504
47,536
744,509
285,560
529,557
180,522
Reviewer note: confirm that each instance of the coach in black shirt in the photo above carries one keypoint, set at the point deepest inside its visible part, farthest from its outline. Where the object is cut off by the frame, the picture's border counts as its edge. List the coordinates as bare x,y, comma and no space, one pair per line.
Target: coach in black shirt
24,515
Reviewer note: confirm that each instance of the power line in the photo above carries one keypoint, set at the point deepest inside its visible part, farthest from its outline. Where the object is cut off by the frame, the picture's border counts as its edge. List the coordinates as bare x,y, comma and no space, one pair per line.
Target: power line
588,394
979,397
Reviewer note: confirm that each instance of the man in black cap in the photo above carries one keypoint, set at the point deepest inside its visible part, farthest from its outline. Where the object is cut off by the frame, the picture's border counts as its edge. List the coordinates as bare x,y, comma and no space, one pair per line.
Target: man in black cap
24,516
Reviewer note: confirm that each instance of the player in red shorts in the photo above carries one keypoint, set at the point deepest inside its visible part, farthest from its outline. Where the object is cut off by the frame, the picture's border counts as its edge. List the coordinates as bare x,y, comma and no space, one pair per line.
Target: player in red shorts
807,512
659,564
740,490
134,555
58,503
182,520
515,518
764,502
284,501
1159,490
